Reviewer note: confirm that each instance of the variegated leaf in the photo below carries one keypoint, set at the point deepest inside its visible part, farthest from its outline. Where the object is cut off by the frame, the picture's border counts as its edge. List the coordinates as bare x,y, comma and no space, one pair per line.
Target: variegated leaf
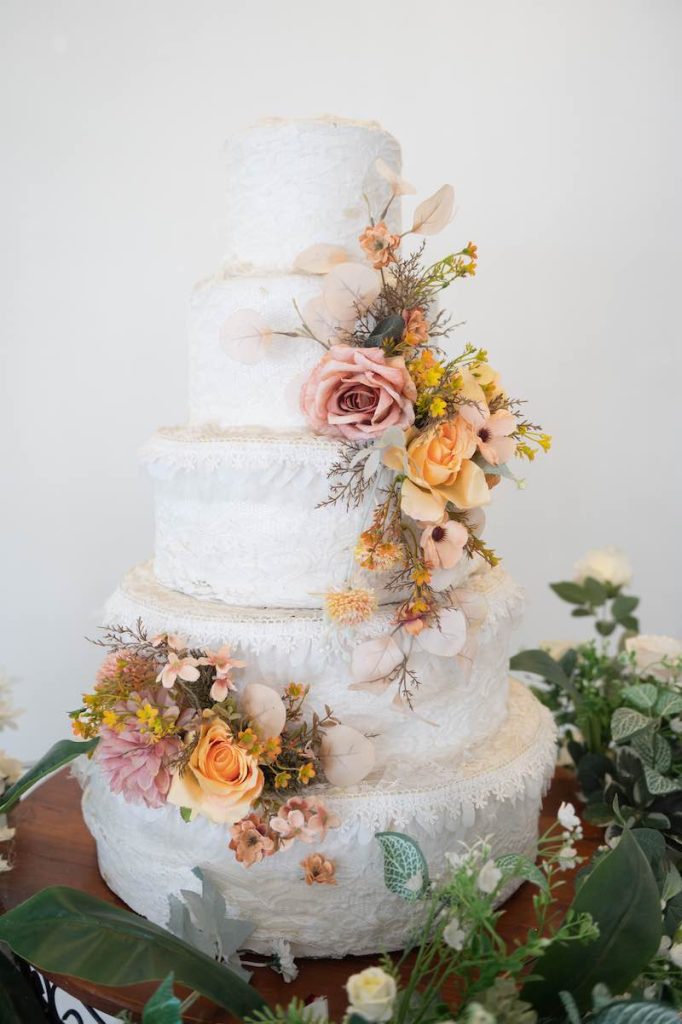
406,872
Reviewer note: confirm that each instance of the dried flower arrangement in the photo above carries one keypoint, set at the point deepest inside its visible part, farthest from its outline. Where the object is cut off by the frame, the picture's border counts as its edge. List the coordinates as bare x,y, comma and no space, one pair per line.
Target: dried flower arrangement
172,728
424,437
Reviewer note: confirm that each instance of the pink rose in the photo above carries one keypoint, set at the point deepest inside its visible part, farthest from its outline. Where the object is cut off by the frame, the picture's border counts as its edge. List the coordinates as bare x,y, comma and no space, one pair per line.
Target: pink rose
358,393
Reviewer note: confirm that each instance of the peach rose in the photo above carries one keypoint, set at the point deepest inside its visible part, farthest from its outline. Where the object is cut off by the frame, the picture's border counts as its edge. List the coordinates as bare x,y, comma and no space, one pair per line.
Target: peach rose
439,470
358,393
221,781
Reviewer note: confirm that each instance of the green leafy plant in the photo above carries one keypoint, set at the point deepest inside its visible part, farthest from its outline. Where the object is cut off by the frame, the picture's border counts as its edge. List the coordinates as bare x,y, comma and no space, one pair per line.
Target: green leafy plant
620,721
60,754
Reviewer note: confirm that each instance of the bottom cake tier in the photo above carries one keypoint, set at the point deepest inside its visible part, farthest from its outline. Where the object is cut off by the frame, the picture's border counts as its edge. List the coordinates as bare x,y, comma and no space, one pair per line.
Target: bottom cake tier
493,791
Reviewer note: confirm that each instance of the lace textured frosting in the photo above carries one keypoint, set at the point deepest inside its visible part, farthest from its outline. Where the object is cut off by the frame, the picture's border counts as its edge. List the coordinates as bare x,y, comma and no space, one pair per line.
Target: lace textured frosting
282,645
145,854
294,183
238,518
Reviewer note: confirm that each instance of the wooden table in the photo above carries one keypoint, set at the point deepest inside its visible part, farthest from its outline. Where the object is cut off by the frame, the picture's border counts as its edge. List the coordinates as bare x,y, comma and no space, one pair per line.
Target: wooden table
53,847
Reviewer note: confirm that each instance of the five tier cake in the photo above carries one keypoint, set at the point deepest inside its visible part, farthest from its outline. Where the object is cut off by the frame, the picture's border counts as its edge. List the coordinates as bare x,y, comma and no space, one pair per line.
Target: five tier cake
311,392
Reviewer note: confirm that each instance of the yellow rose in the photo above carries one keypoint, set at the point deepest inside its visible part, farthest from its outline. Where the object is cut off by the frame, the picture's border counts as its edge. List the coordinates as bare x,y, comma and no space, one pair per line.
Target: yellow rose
221,781
439,470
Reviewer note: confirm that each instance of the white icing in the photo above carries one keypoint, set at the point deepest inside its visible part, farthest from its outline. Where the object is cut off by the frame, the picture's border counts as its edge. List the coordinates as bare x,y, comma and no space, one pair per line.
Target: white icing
145,854
237,519
229,393
291,184
466,702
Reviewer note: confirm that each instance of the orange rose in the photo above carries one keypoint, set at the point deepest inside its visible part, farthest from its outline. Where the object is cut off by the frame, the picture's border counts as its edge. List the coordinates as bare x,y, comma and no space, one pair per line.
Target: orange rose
221,781
439,470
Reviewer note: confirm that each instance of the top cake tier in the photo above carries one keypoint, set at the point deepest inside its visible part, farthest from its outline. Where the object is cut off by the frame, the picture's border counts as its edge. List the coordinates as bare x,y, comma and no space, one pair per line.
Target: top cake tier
294,183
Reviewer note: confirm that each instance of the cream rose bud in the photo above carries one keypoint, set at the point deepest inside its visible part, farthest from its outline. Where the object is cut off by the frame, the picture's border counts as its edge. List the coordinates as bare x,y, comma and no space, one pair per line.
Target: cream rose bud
371,994
606,565
649,652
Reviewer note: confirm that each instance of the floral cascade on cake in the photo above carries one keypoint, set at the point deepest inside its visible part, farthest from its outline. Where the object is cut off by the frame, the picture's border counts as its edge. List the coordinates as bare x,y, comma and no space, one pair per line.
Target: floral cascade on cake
319,650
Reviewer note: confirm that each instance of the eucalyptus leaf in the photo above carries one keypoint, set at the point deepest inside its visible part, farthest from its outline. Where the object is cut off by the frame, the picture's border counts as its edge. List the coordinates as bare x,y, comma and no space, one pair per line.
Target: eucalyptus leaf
391,328
581,613
621,896
406,872
540,663
65,931
625,723
605,628
18,1002
571,592
164,1006
57,756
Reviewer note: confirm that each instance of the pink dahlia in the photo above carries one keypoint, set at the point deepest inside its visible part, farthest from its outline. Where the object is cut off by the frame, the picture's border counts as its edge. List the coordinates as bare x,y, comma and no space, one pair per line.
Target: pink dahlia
136,752
122,667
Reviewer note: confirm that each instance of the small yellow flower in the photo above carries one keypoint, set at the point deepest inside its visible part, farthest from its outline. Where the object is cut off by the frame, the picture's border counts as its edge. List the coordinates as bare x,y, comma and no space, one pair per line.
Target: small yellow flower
295,691
437,408
421,576
272,748
433,376
249,741
110,719
305,773
282,780
146,714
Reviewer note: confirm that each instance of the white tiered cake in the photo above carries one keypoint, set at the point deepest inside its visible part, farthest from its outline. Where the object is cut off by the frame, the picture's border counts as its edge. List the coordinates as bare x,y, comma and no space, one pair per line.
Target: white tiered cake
243,557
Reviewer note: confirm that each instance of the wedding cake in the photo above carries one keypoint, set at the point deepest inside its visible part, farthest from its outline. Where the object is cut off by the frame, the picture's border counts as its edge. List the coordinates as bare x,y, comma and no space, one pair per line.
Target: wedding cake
318,652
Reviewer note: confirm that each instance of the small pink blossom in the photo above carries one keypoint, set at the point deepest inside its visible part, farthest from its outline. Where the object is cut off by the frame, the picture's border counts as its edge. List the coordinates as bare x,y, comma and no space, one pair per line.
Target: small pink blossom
178,668
492,432
443,544
172,640
304,818
223,663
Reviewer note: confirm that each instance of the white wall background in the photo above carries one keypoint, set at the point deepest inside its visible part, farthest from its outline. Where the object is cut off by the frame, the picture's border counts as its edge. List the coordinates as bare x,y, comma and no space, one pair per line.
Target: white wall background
557,122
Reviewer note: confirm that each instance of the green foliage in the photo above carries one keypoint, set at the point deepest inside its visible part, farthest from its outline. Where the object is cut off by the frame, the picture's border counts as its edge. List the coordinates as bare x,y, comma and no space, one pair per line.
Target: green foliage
621,896
627,750
64,931
164,1007
58,755
406,872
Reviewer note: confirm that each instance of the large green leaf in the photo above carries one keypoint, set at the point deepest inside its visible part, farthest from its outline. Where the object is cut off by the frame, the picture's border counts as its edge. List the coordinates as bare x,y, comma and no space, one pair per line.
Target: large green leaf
668,703
64,931
57,756
540,663
18,1002
658,784
621,895
641,695
164,1006
406,872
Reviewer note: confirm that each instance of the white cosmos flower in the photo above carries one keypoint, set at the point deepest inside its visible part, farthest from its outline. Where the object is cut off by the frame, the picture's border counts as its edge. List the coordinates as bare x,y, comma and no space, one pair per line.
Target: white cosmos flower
489,877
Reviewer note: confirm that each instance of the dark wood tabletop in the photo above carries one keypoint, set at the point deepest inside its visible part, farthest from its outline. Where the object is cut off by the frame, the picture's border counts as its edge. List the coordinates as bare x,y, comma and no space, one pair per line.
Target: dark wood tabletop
52,846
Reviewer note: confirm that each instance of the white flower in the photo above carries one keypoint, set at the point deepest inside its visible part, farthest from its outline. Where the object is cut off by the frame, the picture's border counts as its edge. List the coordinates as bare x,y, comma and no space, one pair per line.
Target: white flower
456,860
454,935
476,1014
649,652
489,877
567,817
567,857
371,994
676,725
284,962
606,565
